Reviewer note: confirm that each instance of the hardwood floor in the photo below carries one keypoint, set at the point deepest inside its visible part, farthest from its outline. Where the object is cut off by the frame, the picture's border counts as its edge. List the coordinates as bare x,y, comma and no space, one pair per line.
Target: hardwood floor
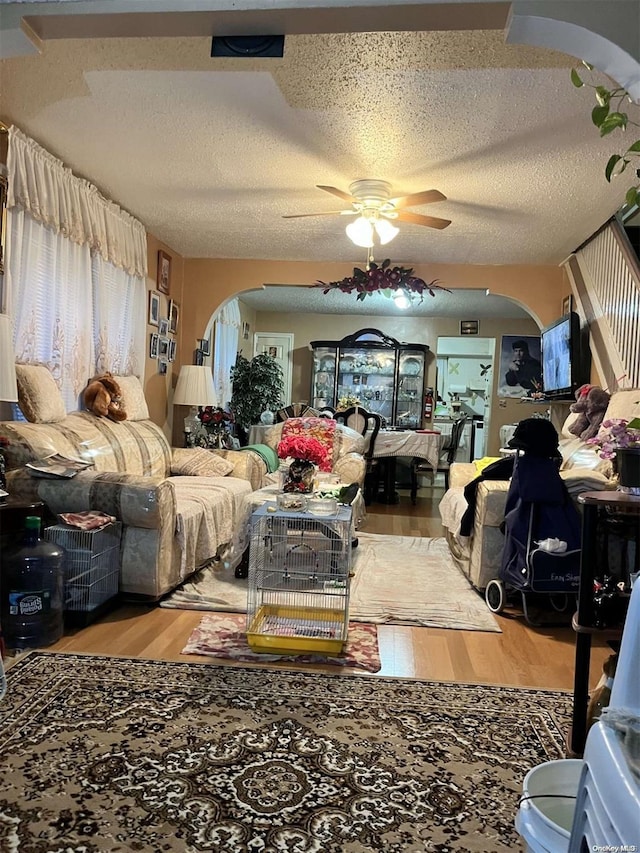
519,656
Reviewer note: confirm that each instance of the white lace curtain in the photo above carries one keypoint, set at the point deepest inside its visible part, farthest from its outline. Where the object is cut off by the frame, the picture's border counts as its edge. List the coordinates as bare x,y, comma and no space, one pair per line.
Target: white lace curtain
75,271
226,335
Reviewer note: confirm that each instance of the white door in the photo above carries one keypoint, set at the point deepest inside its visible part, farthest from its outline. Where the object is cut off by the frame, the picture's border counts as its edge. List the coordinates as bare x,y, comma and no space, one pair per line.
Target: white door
280,346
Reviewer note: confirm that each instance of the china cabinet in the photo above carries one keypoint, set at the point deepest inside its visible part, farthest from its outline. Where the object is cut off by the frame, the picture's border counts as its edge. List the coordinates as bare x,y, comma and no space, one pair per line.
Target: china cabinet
387,376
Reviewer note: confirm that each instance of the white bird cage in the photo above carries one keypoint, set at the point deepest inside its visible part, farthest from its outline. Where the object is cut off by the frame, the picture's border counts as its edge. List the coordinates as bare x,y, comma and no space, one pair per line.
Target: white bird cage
91,568
298,595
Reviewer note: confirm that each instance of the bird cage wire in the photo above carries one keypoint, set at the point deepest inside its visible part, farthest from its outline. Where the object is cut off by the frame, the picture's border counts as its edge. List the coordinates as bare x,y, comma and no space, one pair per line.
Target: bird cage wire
298,587
91,564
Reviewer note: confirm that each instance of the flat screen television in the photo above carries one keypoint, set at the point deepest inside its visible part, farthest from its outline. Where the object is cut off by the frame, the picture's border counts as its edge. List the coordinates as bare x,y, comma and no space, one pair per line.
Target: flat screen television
563,363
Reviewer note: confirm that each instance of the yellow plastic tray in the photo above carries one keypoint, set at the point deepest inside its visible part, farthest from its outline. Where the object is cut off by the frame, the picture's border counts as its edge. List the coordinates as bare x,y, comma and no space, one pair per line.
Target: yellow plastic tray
265,631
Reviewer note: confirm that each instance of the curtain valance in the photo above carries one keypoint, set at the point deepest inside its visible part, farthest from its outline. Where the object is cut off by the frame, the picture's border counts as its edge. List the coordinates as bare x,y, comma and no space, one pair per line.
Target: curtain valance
44,187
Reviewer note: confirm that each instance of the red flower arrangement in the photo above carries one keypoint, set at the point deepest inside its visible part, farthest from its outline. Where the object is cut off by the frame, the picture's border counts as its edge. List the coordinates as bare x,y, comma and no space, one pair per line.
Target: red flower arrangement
385,278
214,417
302,447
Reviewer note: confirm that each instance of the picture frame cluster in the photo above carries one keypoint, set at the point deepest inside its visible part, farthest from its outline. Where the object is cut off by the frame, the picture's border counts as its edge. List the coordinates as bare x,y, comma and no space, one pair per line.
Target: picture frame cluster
162,344
202,351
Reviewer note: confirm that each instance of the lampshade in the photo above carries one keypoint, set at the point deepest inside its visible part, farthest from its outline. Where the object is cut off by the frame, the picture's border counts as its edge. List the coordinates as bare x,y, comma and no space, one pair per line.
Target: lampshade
195,387
361,231
8,386
386,231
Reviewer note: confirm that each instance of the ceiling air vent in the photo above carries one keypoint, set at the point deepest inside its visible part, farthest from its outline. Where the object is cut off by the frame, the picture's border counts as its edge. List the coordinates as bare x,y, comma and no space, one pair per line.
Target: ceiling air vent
247,46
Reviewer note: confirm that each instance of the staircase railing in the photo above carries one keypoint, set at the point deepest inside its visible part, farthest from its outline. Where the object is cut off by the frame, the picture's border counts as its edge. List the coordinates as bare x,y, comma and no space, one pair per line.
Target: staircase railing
605,279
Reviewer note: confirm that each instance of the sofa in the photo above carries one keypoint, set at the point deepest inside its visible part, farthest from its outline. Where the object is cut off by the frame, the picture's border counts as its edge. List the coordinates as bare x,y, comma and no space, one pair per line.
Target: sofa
479,555
179,507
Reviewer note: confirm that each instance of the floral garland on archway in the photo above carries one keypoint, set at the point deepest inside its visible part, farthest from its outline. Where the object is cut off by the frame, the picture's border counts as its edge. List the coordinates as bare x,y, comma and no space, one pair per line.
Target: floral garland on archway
382,278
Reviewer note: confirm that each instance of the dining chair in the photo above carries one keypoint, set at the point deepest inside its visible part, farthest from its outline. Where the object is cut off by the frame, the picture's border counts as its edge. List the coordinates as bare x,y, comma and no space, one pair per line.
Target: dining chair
296,410
448,453
326,412
367,424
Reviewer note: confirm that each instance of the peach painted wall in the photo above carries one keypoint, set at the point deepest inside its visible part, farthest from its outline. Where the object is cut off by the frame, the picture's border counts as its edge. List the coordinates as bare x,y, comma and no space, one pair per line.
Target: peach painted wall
201,286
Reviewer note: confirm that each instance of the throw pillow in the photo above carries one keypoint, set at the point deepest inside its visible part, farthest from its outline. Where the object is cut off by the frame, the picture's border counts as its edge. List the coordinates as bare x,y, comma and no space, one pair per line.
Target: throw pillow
133,401
198,462
39,397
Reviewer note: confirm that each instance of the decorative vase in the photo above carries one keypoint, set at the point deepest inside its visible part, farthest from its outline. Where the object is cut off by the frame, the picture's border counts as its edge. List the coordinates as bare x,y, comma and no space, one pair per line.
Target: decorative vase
267,418
628,468
301,477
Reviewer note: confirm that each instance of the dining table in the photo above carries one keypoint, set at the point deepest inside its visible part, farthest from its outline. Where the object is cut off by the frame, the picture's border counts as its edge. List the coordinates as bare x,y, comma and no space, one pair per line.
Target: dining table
393,443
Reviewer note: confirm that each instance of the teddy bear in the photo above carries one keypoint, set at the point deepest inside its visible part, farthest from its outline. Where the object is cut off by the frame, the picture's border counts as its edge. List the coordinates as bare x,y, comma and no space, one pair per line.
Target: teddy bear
591,404
102,396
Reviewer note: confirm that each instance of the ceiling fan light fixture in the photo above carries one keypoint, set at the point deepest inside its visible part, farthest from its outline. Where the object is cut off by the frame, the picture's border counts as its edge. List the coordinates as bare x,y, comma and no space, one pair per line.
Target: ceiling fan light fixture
401,298
385,230
360,232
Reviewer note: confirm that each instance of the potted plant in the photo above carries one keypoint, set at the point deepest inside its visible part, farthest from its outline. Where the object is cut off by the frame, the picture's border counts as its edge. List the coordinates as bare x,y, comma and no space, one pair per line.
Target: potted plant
619,440
611,113
258,385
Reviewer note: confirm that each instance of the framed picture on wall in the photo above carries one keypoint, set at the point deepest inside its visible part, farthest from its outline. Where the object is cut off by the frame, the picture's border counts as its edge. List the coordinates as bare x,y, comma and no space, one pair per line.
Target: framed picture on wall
163,280
172,350
520,366
163,366
567,305
204,346
154,308
153,345
174,310
469,327
163,327
163,348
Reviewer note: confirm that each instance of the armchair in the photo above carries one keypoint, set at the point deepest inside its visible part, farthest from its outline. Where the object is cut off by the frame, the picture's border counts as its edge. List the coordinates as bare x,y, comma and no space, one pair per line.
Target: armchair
345,445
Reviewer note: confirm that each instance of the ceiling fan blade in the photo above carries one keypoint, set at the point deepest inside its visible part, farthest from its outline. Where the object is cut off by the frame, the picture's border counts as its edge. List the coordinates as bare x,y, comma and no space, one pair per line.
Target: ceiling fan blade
324,213
426,197
419,219
335,191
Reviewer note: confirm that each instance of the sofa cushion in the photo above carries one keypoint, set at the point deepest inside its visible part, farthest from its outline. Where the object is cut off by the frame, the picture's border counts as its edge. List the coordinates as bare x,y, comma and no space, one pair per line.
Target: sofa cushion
39,397
133,399
198,462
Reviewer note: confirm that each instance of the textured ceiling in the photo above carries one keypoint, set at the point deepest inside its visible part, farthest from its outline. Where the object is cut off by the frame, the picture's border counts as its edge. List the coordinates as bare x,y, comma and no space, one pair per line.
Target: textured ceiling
211,153
458,303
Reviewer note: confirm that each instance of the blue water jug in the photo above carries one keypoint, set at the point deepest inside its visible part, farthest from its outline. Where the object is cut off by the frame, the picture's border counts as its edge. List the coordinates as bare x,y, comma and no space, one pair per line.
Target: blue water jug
32,591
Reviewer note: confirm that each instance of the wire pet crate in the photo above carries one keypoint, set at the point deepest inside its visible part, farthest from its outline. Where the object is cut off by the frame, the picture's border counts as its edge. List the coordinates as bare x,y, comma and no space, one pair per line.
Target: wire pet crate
298,593
91,567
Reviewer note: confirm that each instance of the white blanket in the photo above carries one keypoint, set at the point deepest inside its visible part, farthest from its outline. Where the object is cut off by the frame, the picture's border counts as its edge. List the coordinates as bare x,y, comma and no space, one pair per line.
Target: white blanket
209,511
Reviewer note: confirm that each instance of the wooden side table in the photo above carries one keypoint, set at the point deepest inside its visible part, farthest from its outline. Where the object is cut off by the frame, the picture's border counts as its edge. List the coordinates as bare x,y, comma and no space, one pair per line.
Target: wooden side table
612,504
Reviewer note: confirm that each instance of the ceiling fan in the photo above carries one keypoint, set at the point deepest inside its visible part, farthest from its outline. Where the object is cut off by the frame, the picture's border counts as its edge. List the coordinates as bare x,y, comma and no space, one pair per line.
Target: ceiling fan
376,210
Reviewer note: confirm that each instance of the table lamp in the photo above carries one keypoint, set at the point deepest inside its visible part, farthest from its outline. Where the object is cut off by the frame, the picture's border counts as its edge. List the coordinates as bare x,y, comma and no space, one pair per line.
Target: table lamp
194,388
8,385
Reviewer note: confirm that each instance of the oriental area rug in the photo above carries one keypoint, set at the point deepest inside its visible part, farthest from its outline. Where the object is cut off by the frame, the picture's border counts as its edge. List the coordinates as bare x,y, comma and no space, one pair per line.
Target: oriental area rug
224,635
408,580
111,754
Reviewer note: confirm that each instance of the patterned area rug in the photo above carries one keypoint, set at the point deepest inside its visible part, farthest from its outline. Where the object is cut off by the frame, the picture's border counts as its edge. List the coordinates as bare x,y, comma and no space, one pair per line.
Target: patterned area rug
101,753
223,635
407,580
